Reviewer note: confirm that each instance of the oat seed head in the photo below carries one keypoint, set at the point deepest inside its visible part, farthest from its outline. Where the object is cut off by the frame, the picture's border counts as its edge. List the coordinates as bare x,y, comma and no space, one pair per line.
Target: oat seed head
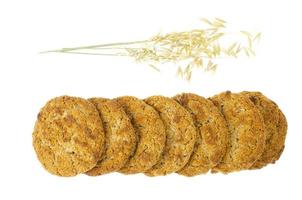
198,48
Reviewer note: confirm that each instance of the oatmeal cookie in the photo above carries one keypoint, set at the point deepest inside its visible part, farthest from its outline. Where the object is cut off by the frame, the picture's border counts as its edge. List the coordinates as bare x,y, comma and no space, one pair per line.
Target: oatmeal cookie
68,136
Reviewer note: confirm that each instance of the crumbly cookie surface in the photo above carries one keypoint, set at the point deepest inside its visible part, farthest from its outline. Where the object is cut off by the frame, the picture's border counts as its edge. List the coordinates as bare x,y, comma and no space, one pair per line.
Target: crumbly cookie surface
68,137
120,137
212,137
181,135
275,128
151,133
246,129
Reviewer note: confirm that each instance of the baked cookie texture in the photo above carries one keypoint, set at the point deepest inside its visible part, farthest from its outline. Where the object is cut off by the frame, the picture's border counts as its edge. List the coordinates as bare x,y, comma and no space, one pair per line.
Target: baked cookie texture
212,134
186,134
120,137
68,136
275,128
246,129
151,133
181,135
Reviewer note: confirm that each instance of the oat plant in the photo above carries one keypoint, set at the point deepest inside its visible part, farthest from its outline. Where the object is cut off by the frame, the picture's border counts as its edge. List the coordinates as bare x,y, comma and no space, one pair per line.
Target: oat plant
187,50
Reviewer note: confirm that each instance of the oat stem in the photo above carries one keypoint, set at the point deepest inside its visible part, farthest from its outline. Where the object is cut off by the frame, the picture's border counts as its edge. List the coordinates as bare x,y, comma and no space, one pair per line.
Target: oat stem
98,54
95,46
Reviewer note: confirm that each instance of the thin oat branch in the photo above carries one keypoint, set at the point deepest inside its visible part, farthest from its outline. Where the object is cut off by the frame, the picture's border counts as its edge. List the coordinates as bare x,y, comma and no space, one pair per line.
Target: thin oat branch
94,46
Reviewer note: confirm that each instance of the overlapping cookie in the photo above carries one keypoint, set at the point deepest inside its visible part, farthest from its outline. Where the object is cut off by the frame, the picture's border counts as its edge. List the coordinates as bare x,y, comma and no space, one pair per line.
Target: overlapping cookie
68,136
150,132
187,134
120,137
275,128
246,132
212,134
181,135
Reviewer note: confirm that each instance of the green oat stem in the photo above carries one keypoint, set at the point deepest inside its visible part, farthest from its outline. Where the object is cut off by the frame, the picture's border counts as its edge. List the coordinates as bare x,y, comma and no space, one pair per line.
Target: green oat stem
63,50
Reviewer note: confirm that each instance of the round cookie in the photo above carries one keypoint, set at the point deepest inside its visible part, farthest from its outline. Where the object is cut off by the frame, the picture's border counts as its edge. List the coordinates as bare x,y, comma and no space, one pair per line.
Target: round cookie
180,132
275,128
68,136
212,137
120,137
151,133
246,129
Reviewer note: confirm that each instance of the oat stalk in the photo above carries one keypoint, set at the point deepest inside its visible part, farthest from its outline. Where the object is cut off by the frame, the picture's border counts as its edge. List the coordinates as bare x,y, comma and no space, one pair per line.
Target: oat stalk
198,48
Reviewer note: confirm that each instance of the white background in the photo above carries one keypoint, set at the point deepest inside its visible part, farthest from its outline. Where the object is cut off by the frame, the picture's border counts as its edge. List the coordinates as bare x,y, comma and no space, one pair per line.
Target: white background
29,79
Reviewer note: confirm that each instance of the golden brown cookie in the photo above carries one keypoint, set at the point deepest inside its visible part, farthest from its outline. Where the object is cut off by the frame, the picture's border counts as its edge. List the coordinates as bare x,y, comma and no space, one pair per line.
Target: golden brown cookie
120,137
150,131
212,137
246,128
68,137
275,128
181,135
